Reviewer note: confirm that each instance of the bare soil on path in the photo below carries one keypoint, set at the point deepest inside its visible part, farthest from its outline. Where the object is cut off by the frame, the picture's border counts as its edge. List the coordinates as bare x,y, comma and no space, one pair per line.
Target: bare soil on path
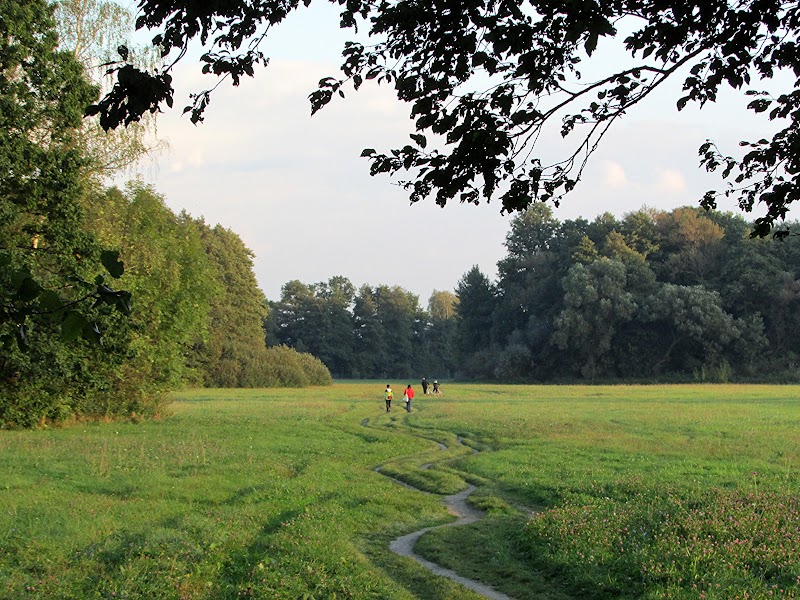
457,505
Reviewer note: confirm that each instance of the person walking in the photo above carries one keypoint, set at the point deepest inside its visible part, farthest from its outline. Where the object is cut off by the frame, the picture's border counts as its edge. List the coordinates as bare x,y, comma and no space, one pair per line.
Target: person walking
424,386
387,395
408,396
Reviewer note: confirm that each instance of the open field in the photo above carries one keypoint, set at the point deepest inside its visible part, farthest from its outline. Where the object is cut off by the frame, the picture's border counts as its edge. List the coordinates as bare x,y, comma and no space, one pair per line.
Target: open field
642,492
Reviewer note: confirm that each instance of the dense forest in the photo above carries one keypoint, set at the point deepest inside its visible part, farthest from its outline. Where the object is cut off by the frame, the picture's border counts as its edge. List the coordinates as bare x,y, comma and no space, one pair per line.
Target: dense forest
195,319
108,299
681,295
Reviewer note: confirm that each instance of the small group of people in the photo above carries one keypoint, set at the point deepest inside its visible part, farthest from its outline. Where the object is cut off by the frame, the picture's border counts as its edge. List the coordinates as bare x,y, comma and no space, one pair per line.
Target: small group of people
436,389
408,396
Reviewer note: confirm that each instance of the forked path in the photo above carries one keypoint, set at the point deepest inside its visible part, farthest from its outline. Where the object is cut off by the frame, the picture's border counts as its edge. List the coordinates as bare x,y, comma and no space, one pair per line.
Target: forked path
457,505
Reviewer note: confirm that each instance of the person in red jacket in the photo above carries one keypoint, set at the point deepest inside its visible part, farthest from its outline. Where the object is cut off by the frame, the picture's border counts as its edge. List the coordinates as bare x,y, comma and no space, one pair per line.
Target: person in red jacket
408,396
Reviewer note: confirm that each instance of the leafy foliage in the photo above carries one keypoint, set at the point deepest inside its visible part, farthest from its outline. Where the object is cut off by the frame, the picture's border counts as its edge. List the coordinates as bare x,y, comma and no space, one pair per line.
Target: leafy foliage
169,276
374,332
679,294
71,345
683,544
487,77
236,309
94,31
676,296
49,267
195,316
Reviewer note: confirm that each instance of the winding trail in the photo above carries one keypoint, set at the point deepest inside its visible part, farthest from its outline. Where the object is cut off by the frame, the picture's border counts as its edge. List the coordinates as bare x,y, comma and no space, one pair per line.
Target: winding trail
456,505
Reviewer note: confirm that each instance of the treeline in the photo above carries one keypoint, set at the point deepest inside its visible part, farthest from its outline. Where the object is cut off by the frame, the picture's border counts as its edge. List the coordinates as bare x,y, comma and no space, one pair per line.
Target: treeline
107,298
682,295
371,332
195,319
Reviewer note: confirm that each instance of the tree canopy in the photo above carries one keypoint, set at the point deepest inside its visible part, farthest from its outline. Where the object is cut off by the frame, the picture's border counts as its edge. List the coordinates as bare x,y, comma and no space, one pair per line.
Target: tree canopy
485,77
47,261
371,332
70,344
681,295
92,30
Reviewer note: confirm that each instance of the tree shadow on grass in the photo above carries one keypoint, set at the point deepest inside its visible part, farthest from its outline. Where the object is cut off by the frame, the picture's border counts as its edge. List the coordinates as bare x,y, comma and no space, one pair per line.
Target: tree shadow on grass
136,563
237,572
236,579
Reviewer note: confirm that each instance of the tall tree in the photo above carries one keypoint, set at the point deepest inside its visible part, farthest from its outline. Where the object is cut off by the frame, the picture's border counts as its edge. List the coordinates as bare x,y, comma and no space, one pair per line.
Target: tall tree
171,279
399,312
693,326
690,245
235,341
436,354
93,31
372,341
477,303
639,229
334,325
42,92
295,315
529,288
597,304
442,306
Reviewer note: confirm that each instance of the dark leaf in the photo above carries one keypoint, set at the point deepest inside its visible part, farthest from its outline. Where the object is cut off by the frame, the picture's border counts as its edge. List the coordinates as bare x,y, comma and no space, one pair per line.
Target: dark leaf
591,42
123,302
91,332
110,260
419,139
72,326
49,301
22,338
28,290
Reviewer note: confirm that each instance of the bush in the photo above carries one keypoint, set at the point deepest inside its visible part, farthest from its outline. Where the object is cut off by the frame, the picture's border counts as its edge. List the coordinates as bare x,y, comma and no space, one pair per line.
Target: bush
514,362
55,382
281,366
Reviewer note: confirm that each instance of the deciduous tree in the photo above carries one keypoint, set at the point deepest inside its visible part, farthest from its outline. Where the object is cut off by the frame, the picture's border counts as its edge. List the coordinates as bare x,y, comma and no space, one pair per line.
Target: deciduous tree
49,265
597,303
235,341
93,31
440,55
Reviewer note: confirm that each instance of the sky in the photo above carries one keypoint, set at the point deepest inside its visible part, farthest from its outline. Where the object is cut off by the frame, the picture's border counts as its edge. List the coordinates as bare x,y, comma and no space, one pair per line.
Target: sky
298,194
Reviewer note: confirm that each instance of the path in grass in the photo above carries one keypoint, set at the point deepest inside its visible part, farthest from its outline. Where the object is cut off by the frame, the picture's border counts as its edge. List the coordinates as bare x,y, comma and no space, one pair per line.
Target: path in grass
456,505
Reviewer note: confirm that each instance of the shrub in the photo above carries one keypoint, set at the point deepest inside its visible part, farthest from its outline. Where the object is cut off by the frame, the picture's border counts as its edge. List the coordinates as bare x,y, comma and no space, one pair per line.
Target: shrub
281,366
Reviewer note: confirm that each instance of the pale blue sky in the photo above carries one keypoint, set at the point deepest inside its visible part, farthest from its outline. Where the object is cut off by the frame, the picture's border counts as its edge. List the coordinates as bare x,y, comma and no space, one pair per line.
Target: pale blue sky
294,188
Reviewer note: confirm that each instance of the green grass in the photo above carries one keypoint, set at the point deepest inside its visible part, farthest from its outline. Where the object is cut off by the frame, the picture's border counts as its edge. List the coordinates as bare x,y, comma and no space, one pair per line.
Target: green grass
273,494
675,492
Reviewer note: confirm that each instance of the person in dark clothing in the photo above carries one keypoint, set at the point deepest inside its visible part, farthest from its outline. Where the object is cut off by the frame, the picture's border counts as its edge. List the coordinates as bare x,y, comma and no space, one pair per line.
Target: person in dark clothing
424,386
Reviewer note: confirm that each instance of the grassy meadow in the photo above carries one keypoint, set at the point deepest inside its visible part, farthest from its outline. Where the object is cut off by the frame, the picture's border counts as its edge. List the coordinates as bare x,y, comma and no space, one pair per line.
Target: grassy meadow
590,492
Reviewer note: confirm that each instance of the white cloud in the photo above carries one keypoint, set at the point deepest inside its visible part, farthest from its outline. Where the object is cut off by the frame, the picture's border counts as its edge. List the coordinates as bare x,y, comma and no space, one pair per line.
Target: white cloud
615,174
670,181
297,192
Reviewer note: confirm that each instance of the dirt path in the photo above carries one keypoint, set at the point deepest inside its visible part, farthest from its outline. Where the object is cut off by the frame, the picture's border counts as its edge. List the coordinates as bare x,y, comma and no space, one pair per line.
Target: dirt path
457,505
